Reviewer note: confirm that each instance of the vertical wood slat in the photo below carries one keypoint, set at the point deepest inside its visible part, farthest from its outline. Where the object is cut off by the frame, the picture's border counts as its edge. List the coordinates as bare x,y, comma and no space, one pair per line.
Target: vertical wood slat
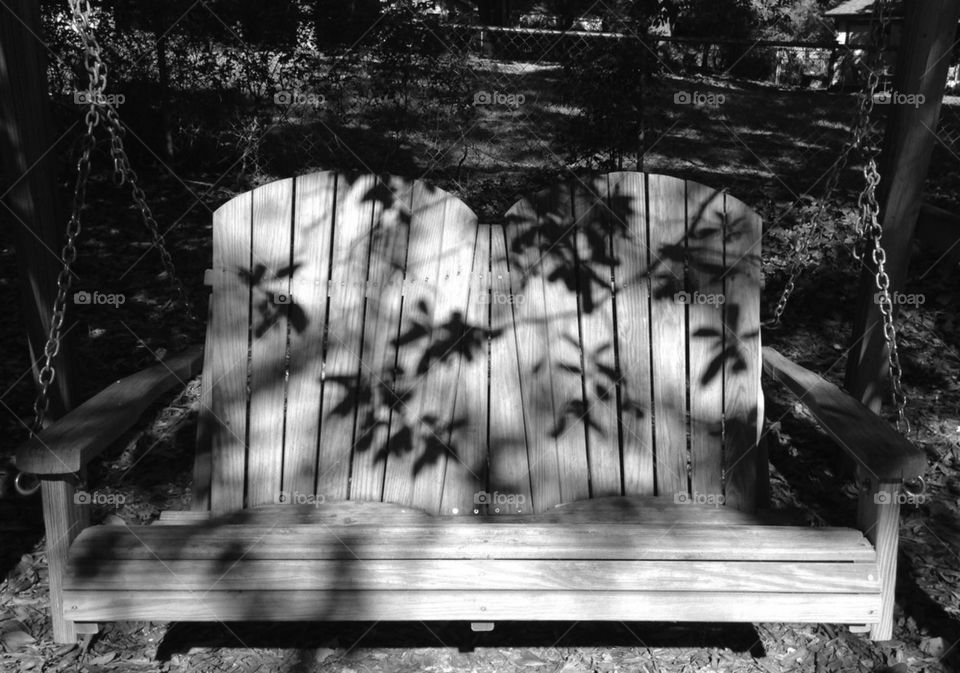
447,343
313,227
509,393
667,228
271,246
626,201
225,365
411,439
356,210
466,471
563,354
388,254
705,257
595,300
741,365
532,338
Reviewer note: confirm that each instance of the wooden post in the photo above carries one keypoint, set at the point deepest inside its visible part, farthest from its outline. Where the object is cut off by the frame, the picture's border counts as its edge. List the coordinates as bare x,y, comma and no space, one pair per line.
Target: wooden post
63,520
878,516
923,59
30,203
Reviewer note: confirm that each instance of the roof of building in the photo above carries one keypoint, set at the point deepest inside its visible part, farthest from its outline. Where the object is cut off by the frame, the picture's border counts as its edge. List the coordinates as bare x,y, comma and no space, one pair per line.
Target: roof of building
859,8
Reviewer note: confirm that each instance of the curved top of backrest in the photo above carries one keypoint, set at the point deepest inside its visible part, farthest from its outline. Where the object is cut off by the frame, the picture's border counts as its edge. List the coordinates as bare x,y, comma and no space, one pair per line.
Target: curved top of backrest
380,191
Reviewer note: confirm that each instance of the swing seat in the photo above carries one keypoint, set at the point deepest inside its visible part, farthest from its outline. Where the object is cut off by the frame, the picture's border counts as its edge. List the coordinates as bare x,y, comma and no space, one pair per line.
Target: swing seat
608,559
407,415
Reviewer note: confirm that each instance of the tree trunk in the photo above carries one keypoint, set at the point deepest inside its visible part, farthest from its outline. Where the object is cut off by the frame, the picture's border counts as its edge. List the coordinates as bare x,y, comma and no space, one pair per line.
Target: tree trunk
923,58
163,75
31,201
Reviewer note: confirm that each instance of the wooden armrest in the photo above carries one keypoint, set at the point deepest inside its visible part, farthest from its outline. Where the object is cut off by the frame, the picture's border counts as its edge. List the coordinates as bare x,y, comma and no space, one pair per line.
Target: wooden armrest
73,440
872,442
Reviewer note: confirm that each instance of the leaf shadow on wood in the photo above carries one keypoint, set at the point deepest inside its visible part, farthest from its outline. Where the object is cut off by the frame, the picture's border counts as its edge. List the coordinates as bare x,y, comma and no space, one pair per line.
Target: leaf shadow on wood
574,238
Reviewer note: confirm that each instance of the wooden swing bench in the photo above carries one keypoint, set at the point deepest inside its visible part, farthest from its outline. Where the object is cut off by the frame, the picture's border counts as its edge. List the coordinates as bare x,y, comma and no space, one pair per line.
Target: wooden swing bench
409,416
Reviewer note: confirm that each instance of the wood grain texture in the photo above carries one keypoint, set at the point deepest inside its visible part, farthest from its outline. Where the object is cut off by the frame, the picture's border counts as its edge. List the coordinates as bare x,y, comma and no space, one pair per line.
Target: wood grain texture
626,200
878,516
533,345
313,213
473,605
564,355
340,513
510,471
356,212
463,539
271,253
377,395
228,361
873,443
475,575
408,435
63,521
608,511
667,228
600,379
466,469
68,444
449,343
741,315
705,334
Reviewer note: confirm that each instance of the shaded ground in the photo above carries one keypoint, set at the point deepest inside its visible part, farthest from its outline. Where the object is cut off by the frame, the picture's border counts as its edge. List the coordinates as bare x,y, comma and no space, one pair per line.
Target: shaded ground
767,146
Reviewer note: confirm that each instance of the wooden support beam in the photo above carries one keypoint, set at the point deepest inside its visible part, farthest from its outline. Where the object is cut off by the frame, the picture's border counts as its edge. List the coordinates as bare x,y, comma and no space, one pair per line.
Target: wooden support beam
923,59
30,202
63,520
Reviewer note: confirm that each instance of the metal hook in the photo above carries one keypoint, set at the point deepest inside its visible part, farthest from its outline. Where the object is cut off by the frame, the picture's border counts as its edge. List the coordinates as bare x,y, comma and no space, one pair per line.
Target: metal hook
923,487
24,490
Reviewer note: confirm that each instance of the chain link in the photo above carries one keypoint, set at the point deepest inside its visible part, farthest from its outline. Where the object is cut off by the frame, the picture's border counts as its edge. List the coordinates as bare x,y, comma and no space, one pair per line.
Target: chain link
97,74
870,241
869,229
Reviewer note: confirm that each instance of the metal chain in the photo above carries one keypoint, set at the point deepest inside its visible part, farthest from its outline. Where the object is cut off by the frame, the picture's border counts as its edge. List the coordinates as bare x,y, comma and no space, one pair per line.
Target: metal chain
861,130
99,110
97,73
871,175
870,232
123,172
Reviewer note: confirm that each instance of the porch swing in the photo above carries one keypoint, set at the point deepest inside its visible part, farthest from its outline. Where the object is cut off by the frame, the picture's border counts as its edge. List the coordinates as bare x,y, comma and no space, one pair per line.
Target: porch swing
559,417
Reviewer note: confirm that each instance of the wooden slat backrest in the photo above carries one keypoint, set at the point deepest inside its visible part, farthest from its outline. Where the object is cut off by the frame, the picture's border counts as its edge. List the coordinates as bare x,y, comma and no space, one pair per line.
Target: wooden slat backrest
685,262
316,205
603,341
374,423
